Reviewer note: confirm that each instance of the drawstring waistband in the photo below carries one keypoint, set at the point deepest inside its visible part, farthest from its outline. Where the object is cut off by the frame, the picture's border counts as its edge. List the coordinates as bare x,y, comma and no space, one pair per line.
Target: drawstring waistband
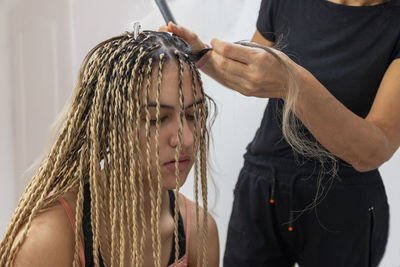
291,196
287,171
272,190
291,200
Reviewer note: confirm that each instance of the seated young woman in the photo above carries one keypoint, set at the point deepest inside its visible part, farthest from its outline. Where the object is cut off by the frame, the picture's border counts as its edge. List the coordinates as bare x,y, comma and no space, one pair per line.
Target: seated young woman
107,193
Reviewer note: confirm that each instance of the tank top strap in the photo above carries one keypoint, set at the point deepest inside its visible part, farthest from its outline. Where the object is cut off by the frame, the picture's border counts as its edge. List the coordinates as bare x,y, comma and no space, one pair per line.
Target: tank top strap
187,205
72,221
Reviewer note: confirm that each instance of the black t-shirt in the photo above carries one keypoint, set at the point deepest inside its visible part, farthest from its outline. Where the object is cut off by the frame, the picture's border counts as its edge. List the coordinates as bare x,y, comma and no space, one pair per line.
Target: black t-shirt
348,49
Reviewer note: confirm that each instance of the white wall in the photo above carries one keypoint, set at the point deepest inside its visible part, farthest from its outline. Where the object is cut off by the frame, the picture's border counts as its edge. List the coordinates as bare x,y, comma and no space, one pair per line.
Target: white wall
7,185
93,21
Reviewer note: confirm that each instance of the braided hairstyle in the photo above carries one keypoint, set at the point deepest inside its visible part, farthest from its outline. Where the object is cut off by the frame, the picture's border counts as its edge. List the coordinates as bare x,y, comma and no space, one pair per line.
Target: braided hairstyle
99,139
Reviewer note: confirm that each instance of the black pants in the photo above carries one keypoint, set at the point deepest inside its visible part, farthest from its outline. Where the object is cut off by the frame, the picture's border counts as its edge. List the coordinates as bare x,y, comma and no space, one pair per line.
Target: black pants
348,227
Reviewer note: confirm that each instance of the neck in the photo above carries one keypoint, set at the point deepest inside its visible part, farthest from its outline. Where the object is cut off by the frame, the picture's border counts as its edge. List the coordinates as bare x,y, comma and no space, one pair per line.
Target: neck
166,229
359,2
146,201
165,204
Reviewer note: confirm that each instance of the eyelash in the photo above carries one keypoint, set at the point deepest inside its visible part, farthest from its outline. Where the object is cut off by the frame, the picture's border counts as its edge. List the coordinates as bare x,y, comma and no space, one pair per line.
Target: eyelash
189,117
153,122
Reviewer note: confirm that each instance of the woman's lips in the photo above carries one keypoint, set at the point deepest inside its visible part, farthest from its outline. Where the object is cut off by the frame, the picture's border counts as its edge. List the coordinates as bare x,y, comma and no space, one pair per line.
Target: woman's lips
183,165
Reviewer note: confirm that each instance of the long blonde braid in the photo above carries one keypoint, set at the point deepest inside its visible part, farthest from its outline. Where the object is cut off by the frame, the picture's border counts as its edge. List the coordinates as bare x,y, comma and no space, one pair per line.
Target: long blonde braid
204,140
195,156
159,188
153,219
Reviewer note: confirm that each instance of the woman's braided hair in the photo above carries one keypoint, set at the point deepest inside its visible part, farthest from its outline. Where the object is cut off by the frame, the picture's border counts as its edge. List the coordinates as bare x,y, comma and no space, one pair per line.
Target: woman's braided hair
99,140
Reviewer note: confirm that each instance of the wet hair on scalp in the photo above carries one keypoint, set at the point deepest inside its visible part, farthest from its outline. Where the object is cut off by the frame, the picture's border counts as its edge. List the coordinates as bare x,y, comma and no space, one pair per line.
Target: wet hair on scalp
99,140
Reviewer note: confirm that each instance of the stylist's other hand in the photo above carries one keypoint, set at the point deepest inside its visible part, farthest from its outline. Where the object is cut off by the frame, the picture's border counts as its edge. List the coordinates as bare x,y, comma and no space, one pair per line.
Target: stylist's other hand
248,70
190,37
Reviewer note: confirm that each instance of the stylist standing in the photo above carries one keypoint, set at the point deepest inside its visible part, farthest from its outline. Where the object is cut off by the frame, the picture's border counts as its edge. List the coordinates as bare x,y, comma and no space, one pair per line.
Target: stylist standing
344,57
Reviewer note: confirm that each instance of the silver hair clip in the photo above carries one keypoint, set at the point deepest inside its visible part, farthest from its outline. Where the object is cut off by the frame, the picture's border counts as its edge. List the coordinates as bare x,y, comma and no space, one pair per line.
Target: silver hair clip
136,29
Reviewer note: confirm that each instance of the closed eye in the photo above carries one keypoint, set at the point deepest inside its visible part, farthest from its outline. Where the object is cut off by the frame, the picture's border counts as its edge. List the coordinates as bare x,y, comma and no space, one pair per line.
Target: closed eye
154,121
189,117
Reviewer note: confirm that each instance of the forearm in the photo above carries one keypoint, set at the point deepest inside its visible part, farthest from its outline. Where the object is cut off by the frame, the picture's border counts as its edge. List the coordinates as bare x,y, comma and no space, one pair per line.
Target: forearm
365,143
353,139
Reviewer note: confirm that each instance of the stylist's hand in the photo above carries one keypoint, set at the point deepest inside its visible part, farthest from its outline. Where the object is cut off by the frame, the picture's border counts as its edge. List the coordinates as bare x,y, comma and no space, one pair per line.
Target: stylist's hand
190,37
249,71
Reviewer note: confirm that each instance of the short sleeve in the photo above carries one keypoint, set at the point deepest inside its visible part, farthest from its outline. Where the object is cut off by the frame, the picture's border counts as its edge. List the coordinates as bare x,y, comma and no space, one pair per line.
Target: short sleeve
266,18
396,51
395,8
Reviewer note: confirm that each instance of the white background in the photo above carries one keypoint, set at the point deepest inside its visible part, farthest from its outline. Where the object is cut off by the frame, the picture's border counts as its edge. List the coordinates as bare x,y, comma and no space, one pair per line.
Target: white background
42,44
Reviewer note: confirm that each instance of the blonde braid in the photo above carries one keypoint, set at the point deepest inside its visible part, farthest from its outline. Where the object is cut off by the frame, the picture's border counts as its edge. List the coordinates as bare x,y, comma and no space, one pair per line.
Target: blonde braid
124,205
115,190
203,166
139,258
109,161
115,205
94,156
95,161
177,154
149,174
105,183
122,177
204,191
94,175
159,182
133,166
135,246
141,194
196,161
79,210
129,172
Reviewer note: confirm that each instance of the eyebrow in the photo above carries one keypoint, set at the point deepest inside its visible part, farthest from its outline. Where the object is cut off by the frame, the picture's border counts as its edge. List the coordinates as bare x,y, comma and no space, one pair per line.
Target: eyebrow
154,105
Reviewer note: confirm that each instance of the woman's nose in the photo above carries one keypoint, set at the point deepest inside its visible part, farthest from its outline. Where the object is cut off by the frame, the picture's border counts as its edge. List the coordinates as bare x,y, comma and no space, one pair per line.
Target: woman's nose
187,135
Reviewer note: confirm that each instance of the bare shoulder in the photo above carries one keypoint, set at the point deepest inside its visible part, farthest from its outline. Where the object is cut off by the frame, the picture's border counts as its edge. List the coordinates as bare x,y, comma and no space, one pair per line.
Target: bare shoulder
49,241
196,235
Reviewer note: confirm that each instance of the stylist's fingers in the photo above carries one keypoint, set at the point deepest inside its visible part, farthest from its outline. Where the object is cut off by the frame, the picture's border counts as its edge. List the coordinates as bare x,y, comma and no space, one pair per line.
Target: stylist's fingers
163,28
187,35
181,31
236,52
178,31
248,70
231,73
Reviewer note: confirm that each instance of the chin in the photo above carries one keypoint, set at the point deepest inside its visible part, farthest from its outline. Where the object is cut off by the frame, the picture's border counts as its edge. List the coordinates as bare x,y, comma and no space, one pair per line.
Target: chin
169,181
